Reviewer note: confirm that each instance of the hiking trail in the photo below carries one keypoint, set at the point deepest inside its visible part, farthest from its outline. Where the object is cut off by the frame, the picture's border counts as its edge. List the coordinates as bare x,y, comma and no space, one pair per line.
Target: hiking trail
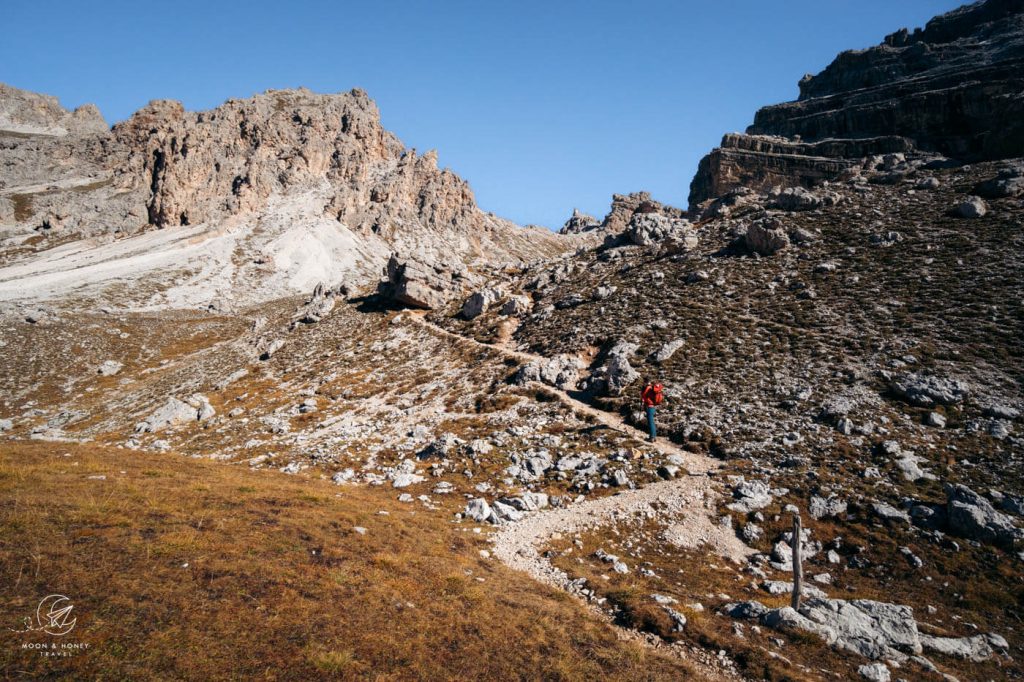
687,503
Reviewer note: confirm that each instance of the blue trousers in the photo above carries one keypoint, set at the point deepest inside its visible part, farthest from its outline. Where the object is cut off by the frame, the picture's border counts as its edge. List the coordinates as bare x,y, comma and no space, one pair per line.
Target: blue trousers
650,422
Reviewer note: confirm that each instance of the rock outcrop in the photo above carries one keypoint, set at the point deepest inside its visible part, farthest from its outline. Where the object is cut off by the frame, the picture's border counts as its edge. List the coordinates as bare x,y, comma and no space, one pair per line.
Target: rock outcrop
579,222
417,284
626,206
279,178
952,88
29,113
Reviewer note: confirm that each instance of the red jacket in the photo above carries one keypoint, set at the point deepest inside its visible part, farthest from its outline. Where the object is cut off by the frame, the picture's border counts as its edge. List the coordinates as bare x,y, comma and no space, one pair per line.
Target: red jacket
652,395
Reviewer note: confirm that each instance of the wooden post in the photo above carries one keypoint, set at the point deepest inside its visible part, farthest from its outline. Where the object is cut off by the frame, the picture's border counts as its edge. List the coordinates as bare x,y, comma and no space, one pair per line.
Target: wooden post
798,569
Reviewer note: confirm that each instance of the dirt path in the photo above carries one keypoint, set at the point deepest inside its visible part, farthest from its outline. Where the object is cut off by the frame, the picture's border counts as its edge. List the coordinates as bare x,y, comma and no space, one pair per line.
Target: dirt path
695,464
688,503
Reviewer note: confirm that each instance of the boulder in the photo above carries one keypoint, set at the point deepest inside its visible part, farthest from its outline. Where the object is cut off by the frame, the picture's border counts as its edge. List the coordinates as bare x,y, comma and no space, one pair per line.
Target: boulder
561,371
479,302
823,507
976,649
478,510
875,672
618,372
666,352
888,513
746,610
784,587
271,348
319,305
527,502
972,207
750,496
649,229
413,283
109,368
447,445
972,516
800,199
766,236
1008,183
626,206
171,413
405,479
926,390
872,629
504,513
204,410
517,305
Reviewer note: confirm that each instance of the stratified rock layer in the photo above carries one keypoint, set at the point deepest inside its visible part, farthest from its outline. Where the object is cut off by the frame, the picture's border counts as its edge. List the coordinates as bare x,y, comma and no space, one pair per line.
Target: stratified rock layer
955,88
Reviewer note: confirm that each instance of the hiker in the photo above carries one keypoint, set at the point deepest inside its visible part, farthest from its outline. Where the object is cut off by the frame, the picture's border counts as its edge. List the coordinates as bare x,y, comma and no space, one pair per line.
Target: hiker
651,396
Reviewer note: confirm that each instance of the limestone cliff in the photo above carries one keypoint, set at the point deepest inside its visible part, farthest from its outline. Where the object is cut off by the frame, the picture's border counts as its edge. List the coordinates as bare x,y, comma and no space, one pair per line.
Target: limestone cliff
955,88
257,169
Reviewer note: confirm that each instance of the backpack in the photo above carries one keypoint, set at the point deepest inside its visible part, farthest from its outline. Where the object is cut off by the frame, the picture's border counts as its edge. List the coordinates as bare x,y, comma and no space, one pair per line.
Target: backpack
659,396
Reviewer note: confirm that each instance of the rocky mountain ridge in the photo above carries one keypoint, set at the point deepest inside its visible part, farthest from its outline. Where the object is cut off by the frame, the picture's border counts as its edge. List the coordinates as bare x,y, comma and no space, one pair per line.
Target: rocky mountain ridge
953,89
287,174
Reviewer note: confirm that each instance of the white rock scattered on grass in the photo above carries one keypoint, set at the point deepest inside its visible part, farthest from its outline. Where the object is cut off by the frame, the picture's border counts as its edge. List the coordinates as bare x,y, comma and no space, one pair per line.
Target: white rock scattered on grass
343,476
678,619
404,480
783,587
875,672
976,648
443,488
272,348
666,352
171,413
889,513
750,496
109,368
478,303
6,425
822,507
478,510
359,529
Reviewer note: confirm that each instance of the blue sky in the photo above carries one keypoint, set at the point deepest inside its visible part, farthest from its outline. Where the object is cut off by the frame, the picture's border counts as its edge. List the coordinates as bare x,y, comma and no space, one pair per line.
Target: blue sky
542,106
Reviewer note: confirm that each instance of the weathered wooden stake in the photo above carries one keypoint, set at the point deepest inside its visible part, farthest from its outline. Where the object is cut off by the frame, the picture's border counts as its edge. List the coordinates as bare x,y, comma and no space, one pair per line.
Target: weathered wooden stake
798,569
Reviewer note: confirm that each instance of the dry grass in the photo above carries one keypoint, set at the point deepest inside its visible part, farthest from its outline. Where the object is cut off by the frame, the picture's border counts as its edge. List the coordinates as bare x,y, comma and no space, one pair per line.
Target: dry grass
185,569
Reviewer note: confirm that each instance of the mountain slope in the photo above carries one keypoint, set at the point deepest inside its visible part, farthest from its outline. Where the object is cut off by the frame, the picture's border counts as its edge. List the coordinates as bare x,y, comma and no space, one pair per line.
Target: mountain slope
260,197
